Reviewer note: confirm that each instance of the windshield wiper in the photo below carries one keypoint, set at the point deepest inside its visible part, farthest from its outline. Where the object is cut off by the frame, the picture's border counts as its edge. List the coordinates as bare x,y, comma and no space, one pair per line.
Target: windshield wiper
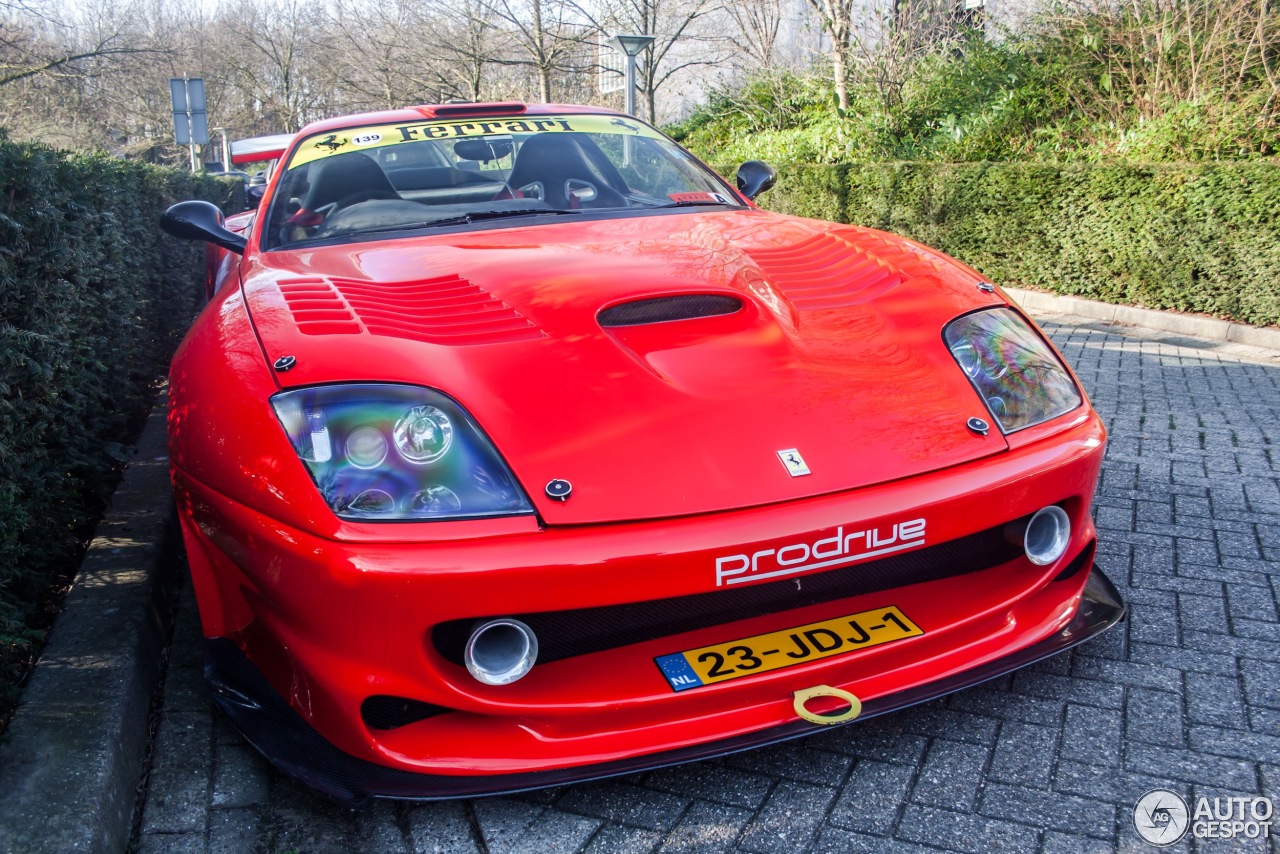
498,214
688,203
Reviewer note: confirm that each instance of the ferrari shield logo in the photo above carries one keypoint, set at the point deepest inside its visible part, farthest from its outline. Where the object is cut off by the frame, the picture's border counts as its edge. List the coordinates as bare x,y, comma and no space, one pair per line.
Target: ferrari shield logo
793,462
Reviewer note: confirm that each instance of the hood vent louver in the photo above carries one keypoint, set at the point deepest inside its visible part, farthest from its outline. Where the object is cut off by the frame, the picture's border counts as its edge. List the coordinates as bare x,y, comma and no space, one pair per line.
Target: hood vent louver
663,309
827,271
443,310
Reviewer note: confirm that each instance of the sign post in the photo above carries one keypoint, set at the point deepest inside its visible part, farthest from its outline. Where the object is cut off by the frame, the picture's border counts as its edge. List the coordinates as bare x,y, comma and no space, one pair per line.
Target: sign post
190,119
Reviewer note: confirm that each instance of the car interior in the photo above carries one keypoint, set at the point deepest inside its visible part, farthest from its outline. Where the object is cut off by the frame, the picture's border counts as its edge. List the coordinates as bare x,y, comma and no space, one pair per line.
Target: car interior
424,182
565,170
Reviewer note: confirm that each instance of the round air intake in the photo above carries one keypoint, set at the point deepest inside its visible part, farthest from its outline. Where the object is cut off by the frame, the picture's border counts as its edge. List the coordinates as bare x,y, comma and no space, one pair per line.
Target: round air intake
501,651
1047,536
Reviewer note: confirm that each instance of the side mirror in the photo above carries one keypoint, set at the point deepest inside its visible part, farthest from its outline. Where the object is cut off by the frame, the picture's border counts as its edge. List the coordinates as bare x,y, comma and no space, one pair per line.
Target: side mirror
197,220
754,177
253,194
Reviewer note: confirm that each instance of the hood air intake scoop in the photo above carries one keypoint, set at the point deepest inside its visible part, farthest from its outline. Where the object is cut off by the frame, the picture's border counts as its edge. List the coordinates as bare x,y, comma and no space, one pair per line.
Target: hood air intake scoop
662,309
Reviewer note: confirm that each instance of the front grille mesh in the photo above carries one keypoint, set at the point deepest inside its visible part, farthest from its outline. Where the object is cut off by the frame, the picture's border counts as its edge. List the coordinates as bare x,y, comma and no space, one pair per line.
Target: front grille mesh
564,634
383,711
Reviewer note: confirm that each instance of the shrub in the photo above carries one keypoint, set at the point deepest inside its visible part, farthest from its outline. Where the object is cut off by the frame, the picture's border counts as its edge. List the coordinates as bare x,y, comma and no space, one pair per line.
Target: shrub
1201,237
93,299
1086,80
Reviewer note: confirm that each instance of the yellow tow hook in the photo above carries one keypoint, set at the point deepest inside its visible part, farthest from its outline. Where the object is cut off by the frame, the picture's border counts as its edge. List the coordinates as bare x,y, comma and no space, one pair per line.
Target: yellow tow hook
803,697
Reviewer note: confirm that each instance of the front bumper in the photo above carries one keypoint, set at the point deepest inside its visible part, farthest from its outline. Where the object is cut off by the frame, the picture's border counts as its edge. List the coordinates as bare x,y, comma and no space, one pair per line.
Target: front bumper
290,743
355,635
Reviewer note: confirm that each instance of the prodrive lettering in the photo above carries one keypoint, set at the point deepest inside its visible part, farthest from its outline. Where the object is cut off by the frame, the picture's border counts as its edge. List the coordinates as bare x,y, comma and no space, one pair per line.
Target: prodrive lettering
827,551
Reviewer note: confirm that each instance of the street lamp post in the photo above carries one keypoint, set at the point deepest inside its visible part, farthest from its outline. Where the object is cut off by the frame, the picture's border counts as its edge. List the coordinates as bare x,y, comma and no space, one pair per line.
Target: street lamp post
631,46
226,150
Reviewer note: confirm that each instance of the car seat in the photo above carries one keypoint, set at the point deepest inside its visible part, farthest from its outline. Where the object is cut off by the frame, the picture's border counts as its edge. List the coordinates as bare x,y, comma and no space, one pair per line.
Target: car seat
547,163
347,179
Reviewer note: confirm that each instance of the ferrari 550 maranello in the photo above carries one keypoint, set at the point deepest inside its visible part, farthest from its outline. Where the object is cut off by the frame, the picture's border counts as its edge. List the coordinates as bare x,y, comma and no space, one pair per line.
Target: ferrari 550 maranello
516,447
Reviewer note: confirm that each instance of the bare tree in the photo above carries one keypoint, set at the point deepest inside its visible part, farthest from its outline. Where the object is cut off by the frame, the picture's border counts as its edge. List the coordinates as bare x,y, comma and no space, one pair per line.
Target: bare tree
890,47
837,22
198,45
683,38
377,52
82,103
547,36
276,45
1157,54
466,38
759,24
30,43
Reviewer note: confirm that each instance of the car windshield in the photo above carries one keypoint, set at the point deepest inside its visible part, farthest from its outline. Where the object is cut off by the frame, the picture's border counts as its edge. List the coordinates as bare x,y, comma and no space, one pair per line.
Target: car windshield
398,178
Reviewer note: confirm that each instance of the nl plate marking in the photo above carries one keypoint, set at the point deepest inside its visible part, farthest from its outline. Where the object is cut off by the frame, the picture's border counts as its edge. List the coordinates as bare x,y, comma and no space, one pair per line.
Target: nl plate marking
735,659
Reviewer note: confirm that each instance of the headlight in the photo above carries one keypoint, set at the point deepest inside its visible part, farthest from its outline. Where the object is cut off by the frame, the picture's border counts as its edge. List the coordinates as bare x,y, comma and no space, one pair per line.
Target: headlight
1017,374
390,452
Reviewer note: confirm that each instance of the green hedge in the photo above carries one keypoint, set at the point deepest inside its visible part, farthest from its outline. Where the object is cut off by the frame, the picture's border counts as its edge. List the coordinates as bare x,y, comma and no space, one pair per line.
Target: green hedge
1191,237
93,300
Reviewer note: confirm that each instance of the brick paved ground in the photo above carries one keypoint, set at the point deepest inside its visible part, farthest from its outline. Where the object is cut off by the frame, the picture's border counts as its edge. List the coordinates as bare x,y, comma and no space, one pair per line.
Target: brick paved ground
1184,695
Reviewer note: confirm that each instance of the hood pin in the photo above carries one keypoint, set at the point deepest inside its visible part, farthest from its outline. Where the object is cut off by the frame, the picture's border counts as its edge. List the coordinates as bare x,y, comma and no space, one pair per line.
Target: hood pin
284,363
986,287
978,426
558,490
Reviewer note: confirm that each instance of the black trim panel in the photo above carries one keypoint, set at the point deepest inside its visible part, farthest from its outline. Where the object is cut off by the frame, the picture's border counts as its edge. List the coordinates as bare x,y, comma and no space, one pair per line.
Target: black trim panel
288,742
665,309
565,634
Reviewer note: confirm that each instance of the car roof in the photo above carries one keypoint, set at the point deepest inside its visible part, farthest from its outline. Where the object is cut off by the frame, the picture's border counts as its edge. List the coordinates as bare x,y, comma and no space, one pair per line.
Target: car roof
464,110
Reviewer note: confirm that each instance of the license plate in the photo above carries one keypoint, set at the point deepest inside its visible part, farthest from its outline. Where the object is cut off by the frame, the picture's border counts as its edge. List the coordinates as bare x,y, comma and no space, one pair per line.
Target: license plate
761,653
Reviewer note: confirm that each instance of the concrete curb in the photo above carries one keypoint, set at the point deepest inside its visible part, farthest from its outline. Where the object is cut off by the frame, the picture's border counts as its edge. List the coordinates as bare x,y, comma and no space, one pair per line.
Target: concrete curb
72,758
1168,321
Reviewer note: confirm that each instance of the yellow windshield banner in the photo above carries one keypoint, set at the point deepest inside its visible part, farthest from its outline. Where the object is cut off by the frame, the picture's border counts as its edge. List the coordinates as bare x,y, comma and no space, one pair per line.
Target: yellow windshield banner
379,136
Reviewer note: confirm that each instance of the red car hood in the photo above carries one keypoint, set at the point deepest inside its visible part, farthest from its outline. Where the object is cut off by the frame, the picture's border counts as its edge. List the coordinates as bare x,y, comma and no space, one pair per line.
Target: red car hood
837,352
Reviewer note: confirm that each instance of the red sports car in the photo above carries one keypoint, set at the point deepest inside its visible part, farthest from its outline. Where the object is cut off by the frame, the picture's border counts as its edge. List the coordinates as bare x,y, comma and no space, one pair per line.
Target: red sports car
515,447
